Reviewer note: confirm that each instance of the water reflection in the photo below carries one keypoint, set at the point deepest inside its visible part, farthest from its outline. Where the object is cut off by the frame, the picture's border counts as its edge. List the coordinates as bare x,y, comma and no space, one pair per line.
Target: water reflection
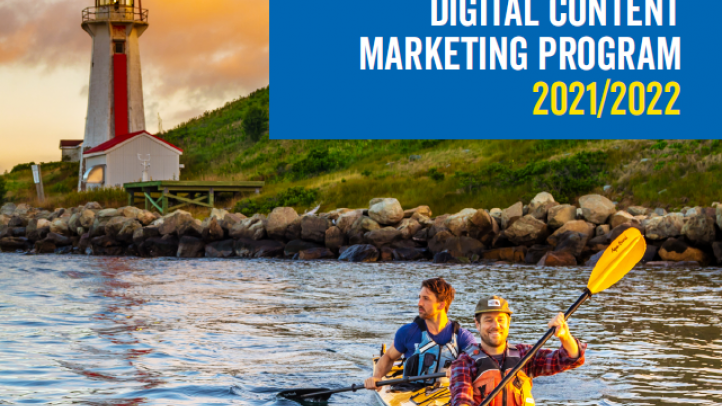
110,331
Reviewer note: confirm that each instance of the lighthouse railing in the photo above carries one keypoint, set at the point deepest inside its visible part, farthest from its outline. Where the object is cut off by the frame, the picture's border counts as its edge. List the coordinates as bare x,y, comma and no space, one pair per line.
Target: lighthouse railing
111,13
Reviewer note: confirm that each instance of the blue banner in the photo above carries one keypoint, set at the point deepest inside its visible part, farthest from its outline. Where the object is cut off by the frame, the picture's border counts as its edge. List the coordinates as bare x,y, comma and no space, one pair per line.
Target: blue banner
472,69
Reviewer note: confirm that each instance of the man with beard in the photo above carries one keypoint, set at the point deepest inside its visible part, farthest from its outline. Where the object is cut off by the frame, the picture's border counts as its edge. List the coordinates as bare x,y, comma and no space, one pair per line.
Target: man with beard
431,342
480,368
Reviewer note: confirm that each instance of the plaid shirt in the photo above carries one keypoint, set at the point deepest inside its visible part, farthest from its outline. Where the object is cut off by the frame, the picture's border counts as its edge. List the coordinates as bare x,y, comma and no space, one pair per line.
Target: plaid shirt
545,362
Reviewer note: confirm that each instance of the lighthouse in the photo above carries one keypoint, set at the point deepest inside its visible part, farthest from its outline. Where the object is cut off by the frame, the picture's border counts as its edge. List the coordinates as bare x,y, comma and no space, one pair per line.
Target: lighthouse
115,100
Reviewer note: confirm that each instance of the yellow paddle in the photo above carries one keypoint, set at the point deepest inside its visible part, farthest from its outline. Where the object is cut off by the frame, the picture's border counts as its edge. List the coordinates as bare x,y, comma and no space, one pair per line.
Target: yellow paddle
618,259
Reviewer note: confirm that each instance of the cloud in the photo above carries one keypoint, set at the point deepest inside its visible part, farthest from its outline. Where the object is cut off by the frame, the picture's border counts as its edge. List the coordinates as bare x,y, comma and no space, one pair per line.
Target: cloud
204,50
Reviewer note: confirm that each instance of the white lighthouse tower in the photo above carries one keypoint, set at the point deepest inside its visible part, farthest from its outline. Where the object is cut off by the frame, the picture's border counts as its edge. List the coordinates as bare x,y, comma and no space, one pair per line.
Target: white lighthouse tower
115,101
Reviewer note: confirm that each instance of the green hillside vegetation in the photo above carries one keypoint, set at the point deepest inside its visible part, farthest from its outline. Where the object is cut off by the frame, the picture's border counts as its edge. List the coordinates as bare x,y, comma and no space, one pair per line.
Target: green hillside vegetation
232,143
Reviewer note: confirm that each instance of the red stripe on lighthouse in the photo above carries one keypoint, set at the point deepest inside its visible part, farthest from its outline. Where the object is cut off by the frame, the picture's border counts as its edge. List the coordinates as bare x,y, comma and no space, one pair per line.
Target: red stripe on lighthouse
120,93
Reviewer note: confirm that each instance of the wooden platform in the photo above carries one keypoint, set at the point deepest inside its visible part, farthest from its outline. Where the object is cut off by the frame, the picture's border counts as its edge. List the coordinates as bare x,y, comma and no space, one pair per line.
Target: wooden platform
198,193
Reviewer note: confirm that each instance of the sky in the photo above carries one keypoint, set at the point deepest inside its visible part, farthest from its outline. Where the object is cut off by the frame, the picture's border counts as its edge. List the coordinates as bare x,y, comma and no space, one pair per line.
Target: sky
195,56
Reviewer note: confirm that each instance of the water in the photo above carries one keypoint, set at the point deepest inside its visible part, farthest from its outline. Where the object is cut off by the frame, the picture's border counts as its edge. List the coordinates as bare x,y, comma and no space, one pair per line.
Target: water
123,331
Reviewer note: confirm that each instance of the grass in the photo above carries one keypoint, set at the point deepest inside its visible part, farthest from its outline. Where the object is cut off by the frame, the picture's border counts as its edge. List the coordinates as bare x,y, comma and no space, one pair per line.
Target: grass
447,175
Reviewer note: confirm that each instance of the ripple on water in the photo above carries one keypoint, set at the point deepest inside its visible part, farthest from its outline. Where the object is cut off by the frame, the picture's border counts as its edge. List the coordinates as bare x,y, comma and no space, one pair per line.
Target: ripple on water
124,331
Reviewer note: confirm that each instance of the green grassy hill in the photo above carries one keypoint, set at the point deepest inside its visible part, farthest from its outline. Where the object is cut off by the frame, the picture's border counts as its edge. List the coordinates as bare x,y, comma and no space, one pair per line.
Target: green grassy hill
446,175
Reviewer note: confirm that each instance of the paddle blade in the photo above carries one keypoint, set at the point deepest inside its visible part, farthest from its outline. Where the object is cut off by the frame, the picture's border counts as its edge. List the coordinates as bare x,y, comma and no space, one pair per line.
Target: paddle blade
619,258
295,394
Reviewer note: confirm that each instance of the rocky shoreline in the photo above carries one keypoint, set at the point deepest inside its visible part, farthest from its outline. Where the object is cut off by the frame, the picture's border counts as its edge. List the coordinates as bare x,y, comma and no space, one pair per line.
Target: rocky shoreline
543,233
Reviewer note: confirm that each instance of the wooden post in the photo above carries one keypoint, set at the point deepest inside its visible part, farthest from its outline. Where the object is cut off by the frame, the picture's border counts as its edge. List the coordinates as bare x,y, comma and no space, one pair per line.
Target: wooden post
38,178
131,198
165,201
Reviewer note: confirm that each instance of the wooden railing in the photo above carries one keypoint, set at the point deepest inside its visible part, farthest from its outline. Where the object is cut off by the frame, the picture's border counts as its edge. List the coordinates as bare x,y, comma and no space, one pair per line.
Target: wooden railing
111,13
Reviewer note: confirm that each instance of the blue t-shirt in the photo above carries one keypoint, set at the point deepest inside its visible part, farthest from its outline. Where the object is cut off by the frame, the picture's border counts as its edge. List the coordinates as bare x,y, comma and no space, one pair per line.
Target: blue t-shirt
410,334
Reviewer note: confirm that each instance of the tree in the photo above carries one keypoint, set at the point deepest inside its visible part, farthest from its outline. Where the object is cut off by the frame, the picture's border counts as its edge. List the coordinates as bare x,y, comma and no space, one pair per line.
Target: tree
255,122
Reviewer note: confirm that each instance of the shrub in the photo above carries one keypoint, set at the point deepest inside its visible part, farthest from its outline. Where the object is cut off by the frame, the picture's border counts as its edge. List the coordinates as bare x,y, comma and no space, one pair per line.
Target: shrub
255,122
436,175
366,173
2,189
292,197
659,145
22,167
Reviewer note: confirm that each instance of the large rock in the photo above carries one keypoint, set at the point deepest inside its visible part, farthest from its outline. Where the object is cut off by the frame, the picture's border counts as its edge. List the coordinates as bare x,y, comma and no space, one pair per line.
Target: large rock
122,228
508,254
458,223
193,228
408,228
382,236
334,239
482,224
8,209
553,258
557,216
622,217
579,226
144,233
677,250
540,204
515,210
13,244
717,250
278,221
212,231
18,221
536,252
295,246
386,211
220,249
347,219
314,228
253,228
407,254
293,231
44,247
360,227
59,240
700,229
60,226
191,247
171,223
316,253
4,220
456,246
719,216
230,220
618,230
638,210
527,230
421,210
246,248
166,246
596,209
87,218
572,242
360,253
661,228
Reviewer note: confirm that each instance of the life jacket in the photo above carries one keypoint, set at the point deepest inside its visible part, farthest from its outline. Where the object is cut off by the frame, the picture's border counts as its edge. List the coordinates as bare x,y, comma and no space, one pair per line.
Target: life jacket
430,357
489,374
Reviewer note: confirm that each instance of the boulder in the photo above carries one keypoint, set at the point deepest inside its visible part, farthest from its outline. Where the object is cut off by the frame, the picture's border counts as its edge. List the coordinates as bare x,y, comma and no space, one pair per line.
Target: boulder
535,253
279,219
87,218
230,220
246,248
458,223
677,250
444,257
557,216
8,209
409,228
58,240
192,228
386,211
592,262
144,233
638,210
596,209
661,228
165,246
572,242
93,206
360,253
622,217
346,220
660,211
314,228
335,214
482,224
293,231
4,220
219,214
508,254
17,221
406,254
423,220
334,239
360,227
650,254
540,204
421,210
527,230
191,247
109,213
316,253
579,226
553,258
438,224
699,229
44,247
253,228
122,228
220,249
13,244
60,226
171,223
515,210
18,231
295,246
622,228
603,229
213,231
39,233
74,222
421,236
717,250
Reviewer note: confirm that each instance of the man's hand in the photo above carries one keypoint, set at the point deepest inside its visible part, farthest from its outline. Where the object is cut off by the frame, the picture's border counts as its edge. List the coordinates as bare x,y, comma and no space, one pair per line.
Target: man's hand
370,383
561,331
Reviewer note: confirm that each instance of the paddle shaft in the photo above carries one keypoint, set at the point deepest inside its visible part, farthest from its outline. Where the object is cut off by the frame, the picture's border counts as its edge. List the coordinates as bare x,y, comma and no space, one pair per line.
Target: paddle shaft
505,381
354,388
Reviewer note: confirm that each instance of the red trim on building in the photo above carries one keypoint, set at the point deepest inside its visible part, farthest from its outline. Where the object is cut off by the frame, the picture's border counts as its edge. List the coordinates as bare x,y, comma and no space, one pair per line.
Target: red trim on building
120,93
123,138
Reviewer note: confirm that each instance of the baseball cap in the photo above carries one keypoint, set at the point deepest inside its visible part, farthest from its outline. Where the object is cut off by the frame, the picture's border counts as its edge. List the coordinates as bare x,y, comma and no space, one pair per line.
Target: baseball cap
492,304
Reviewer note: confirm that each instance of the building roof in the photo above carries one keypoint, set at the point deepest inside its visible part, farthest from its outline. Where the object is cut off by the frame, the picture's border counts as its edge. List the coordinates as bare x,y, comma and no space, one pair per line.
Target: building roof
70,143
108,145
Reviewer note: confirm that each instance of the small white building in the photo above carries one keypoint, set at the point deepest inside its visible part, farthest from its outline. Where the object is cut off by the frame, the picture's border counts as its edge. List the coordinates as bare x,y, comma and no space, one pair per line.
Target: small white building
70,150
115,162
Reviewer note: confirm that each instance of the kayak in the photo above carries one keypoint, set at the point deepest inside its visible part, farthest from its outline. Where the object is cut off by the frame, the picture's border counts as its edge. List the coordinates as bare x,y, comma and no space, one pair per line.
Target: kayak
436,395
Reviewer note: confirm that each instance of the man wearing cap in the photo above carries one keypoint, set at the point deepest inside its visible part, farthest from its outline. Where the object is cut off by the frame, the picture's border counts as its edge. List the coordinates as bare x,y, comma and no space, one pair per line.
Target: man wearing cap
480,367
431,342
